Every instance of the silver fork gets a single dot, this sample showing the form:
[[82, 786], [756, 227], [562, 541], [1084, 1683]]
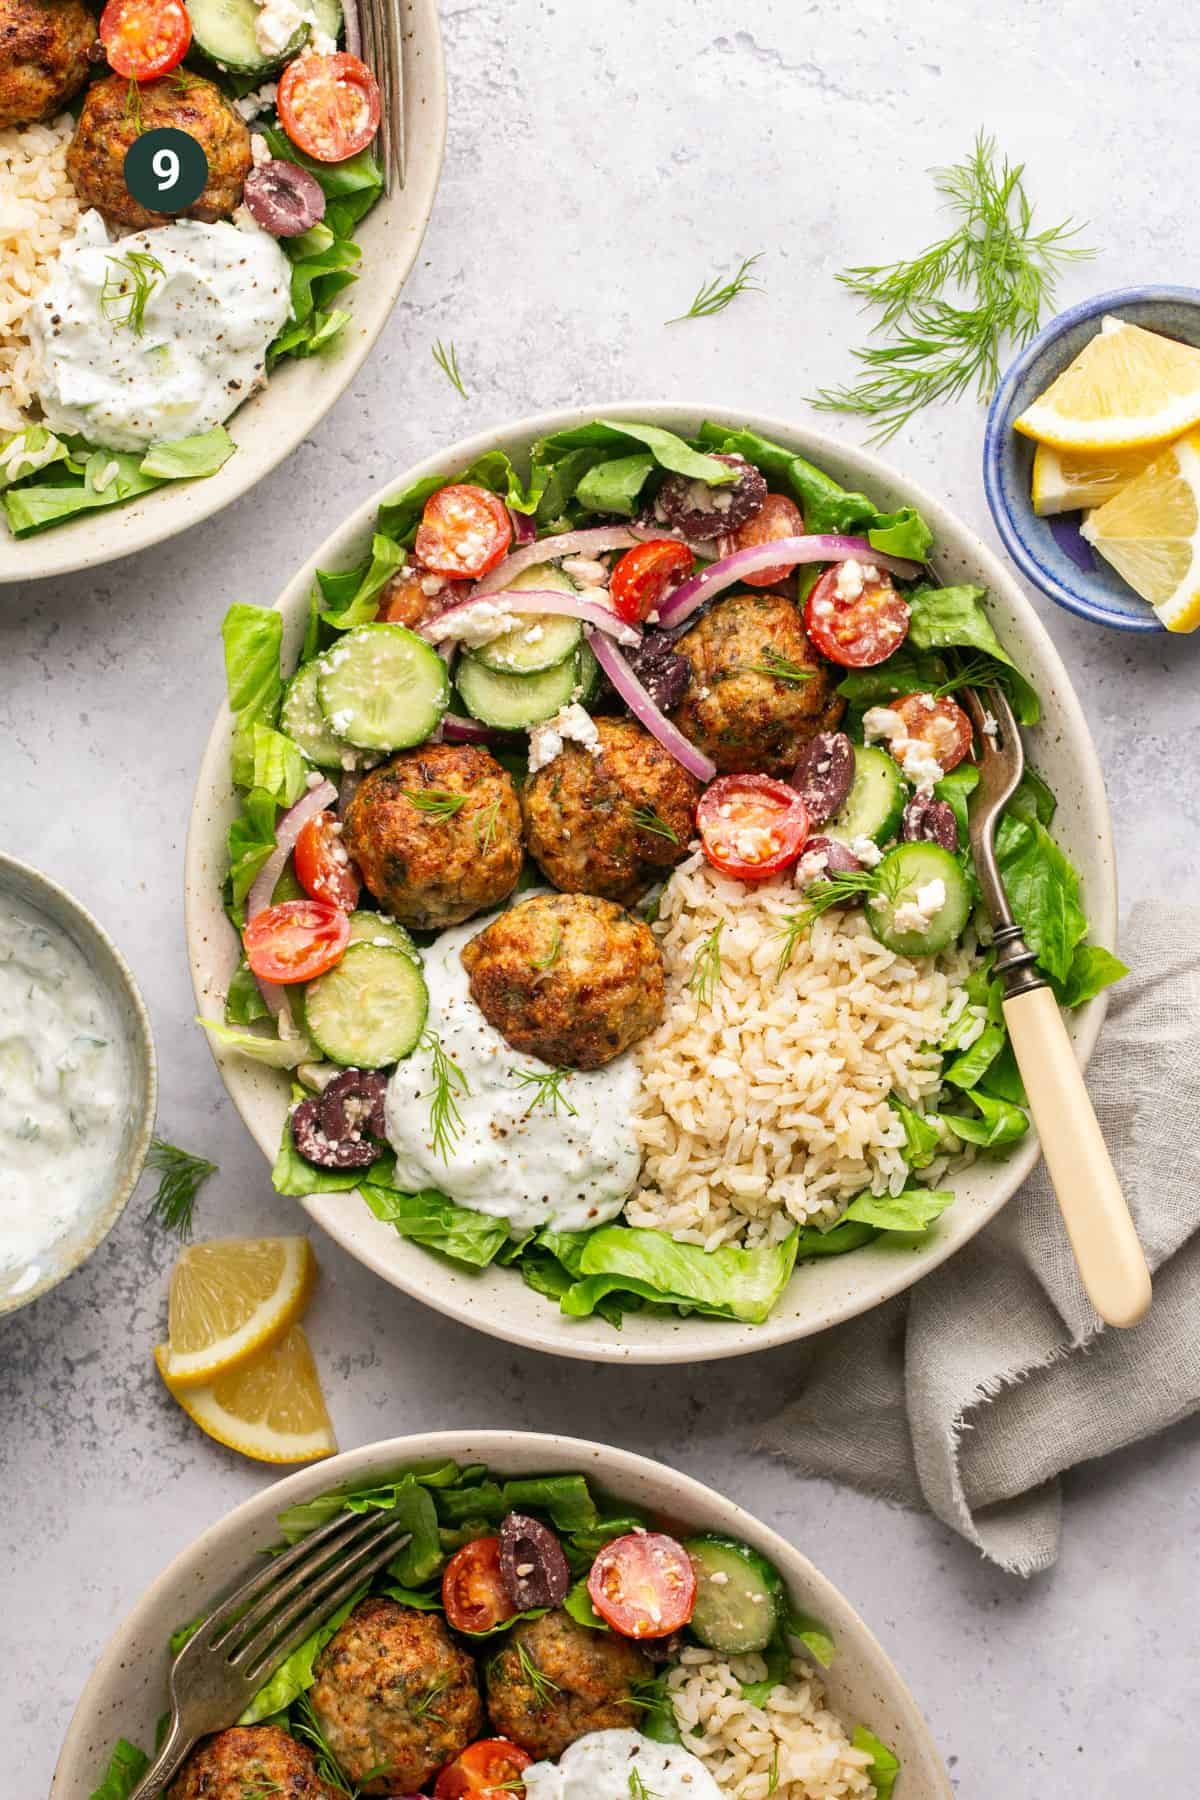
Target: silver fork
[[243, 1640], [1105, 1244], [383, 51]]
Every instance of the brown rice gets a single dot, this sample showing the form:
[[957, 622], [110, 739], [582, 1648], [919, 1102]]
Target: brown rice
[[38, 212]]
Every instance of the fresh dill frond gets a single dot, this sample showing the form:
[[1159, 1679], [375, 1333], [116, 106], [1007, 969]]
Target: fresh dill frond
[[549, 1094], [125, 293], [184, 79], [422, 1706], [132, 111], [547, 962], [181, 1176], [820, 897], [544, 1689], [705, 977], [446, 358], [773, 1774], [781, 667], [648, 818], [484, 829], [637, 1787], [715, 295], [304, 1724], [445, 1120], [974, 672], [438, 803], [260, 1787], [947, 313]]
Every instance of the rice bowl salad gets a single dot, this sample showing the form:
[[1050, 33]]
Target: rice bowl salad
[[601, 879]]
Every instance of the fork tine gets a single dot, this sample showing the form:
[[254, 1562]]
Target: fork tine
[[395, 41], [310, 1609], [344, 1528], [375, 51], [282, 1602]]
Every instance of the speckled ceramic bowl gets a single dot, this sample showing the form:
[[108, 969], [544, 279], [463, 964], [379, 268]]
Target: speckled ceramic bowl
[[1050, 552], [26, 884], [826, 1290], [127, 1692]]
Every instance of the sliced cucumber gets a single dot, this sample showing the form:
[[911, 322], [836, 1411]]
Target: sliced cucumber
[[555, 638], [875, 804], [223, 31], [304, 722], [374, 928], [589, 676], [906, 875], [382, 687], [515, 702], [370, 1009], [739, 1595]]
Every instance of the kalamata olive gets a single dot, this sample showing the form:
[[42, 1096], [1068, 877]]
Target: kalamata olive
[[930, 821], [353, 1102], [283, 198], [532, 1563], [699, 512], [316, 1146], [838, 859], [661, 670], [824, 775]]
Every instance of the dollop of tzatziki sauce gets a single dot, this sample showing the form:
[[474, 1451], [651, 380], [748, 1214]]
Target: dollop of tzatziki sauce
[[531, 1164], [620, 1765], [143, 352], [65, 1090]]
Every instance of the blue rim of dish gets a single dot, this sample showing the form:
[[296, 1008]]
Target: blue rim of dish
[[998, 427]]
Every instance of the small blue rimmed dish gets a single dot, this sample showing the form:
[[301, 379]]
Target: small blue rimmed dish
[[1050, 552]]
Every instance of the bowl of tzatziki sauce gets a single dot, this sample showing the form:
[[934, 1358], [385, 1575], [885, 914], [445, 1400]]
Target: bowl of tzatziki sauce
[[78, 1084]]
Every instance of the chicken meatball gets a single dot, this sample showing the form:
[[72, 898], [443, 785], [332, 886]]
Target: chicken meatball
[[569, 978], [587, 1680], [611, 823], [44, 48], [395, 1697], [250, 1759], [759, 690], [436, 834], [107, 127]]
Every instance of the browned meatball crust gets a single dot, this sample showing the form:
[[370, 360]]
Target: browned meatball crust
[[614, 823], [432, 866], [737, 710], [250, 1759], [591, 1676], [395, 1694], [569, 978], [44, 48], [107, 127]]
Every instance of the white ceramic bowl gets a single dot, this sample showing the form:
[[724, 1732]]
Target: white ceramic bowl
[[127, 1691], [824, 1292], [300, 392]]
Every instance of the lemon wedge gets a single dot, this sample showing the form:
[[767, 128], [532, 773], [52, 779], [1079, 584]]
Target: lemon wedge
[[230, 1298], [270, 1408], [1150, 533], [1074, 480], [1126, 387]]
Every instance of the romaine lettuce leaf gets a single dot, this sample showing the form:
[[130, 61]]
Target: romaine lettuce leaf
[[126, 1766], [189, 458], [1000, 1122], [292, 1174], [613, 487], [1092, 970], [969, 1068], [244, 1004], [265, 759], [954, 618], [812, 1634], [28, 452], [1043, 891], [729, 1283], [885, 1764], [295, 1673], [253, 638], [921, 1139], [251, 840], [431, 1219], [914, 1209], [400, 516], [359, 604], [276, 1052]]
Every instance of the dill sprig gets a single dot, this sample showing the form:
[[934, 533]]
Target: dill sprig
[[974, 672], [773, 1774], [638, 1789], [484, 829], [547, 962], [438, 803], [548, 1085], [181, 1176], [781, 668], [446, 358], [999, 274], [543, 1688], [124, 296], [715, 295], [304, 1724], [648, 818], [445, 1120], [422, 1706], [132, 110], [820, 897], [705, 977]]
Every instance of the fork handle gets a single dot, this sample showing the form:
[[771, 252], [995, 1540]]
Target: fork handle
[[1109, 1257], [168, 1762]]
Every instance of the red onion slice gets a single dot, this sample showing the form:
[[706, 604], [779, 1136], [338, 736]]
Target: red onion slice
[[569, 543], [644, 710], [533, 600], [315, 800], [721, 574], [457, 730], [524, 528]]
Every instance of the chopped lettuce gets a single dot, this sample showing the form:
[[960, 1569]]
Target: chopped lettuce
[[431, 1219], [253, 639], [357, 591], [251, 841], [28, 452], [189, 458], [884, 1766], [323, 259], [613, 487], [1000, 1122], [1092, 970], [295, 1673], [1043, 891], [729, 1283], [126, 1766], [266, 759], [276, 1052], [913, 1209], [973, 1063], [292, 1174], [954, 618], [244, 1004], [400, 516], [82, 478], [812, 1634], [922, 1140]]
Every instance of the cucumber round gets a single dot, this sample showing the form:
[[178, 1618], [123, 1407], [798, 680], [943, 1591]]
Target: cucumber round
[[902, 874], [382, 687], [739, 1595], [875, 804], [302, 719], [557, 637], [370, 1009], [589, 676], [373, 928], [516, 702], [223, 31]]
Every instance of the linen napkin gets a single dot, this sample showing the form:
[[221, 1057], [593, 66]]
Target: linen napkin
[[971, 1393]]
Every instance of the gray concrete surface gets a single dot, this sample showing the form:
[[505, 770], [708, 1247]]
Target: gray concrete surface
[[602, 161]]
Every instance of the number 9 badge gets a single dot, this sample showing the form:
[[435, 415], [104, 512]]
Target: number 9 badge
[[165, 170]]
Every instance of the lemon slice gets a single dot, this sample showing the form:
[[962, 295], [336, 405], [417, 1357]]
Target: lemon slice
[[1150, 533], [1126, 387], [271, 1408], [1073, 480], [231, 1297]]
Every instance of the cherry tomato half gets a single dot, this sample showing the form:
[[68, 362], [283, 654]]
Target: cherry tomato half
[[329, 105], [323, 866], [464, 531], [489, 1768], [751, 826], [779, 517], [644, 574], [296, 940], [854, 622], [473, 1590], [643, 1585], [145, 38], [940, 724]]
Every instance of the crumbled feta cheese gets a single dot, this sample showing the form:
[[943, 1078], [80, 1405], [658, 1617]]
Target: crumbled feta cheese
[[478, 623], [585, 571], [320, 42], [260, 101], [882, 725], [991, 726], [107, 476], [314, 778], [260, 150], [866, 850], [811, 867], [277, 23], [544, 745], [546, 741], [432, 584], [927, 903]]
